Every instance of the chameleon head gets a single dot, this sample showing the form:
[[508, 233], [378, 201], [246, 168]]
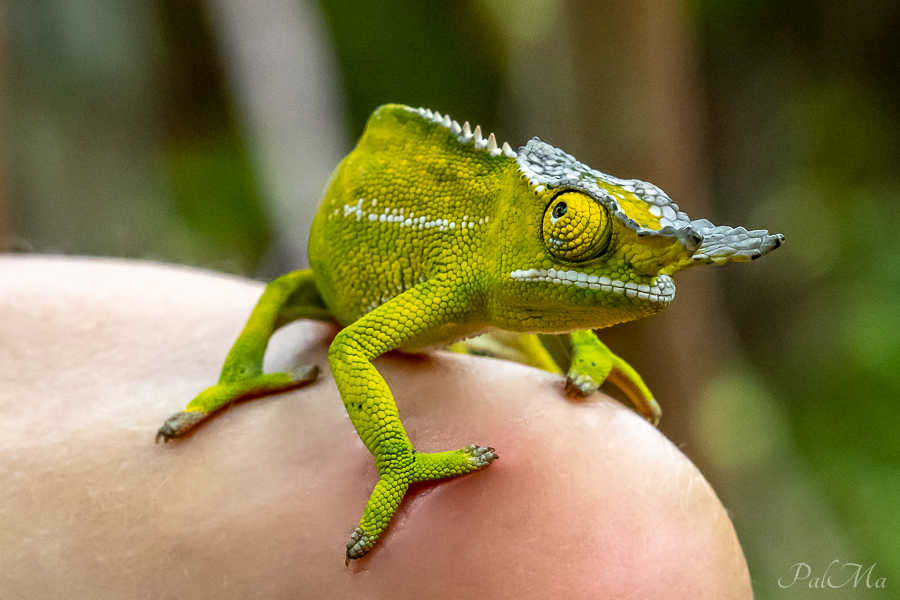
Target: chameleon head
[[601, 250]]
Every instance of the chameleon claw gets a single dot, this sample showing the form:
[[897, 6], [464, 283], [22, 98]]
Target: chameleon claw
[[581, 386], [653, 412], [481, 456], [359, 545], [179, 424], [305, 374]]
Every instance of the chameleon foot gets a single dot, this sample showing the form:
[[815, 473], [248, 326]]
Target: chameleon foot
[[481, 456], [358, 546], [593, 364], [402, 468], [224, 394]]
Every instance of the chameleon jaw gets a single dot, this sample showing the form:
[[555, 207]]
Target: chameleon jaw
[[661, 290]]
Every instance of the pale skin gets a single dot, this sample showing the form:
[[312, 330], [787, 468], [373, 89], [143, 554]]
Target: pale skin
[[588, 499]]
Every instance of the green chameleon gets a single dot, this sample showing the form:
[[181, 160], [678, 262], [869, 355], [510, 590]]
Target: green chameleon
[[430, 233]]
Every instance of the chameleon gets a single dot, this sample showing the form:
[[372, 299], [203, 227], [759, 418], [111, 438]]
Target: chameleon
[[430, 233]]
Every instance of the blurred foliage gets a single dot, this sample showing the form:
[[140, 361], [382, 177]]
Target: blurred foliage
[[120, 137], [805, 101], [213, 187], [421, 53]]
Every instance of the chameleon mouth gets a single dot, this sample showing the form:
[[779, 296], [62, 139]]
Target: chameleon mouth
[[661, 289]]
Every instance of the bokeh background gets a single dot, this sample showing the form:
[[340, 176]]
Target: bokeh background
[[203, 133]]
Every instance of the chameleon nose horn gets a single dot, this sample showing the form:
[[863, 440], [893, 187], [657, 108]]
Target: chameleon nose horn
[[731, 244]]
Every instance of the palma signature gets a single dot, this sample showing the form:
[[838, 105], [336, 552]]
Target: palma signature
[[802, 572]]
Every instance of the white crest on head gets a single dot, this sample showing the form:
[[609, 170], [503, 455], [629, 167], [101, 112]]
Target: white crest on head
[[548, 167], [465, 134]]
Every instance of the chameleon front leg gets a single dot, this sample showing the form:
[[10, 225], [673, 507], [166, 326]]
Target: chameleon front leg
[[373, 411], [593, 363], [290, 297]]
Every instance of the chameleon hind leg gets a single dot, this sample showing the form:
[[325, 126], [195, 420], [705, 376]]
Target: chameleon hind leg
[[288, 298], [587, 361], [525, 348], [373, 411]]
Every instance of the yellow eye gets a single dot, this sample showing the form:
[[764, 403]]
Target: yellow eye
[[576, 227]]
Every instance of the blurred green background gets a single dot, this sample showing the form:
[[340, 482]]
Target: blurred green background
[[204, 133]]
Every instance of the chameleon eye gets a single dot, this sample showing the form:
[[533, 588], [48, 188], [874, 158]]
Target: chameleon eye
[[576, 227]]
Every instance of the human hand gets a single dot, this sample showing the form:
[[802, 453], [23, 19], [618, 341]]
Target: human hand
[[587, 500]]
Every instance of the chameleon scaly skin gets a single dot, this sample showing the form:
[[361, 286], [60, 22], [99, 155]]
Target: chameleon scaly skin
[[430, 233]]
